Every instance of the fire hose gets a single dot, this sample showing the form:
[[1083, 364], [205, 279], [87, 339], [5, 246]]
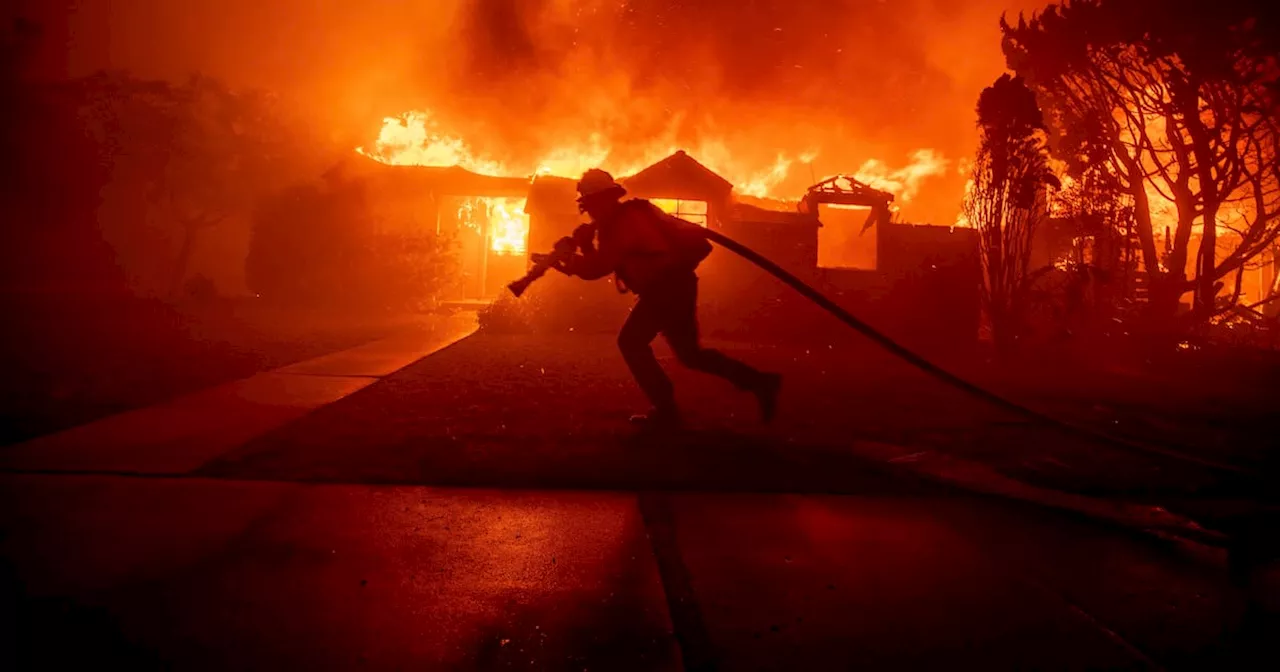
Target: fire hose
[[565, 249]]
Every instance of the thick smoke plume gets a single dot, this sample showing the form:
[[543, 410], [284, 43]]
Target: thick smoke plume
[[841, 83], [845, 81]]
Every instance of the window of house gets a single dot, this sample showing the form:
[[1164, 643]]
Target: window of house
[[841, 241], [692, 211]]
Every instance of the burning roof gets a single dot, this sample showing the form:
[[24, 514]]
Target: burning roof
[[441, 180]]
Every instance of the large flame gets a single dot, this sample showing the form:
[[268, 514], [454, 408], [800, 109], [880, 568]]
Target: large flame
[[903, 183], [415, 138]]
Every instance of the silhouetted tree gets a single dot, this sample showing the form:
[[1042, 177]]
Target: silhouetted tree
[[1096, 216], [1177, 101], [1007, 200], [1270, 304], [51, 175], [191, 154]]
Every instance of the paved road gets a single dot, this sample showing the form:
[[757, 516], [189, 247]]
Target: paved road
[[483, 508]]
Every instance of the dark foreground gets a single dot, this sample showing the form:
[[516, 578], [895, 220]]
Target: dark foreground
[[484, 508]]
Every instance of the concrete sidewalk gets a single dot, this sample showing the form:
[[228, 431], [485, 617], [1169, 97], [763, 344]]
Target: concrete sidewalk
[[180, 435]]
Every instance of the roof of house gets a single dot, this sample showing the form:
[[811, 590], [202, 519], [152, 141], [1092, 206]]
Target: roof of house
[[552, 195], [678, 176], [450, 181]]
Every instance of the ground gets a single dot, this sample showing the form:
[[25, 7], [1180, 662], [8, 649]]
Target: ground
[[487, 507], [537, 402]]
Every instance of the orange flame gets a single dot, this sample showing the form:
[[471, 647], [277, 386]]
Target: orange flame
[[508, 226], [502, 220], [903, 183], [415, 138]]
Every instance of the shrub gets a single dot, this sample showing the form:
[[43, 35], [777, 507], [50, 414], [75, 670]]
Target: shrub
[[509, 315]]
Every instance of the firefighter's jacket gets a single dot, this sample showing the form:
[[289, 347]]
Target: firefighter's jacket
[[633, 245]]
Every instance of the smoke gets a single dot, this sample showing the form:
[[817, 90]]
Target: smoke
[[847, 82], [768, 81]]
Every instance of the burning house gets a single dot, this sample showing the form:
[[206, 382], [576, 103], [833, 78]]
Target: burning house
[[483, 214], [918, 282], [683, 187], [678, 184]]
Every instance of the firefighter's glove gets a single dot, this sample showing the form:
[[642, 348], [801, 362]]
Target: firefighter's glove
[[584, 236], [566, 245]]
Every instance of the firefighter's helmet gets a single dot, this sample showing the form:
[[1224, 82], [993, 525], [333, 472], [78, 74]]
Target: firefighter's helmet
[[596, 183]]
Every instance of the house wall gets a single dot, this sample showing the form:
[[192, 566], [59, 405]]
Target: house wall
[[925, 292], [933, 275], [739, 300]]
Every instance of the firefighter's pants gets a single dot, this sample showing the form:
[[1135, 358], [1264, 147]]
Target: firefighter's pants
[[670, 308]]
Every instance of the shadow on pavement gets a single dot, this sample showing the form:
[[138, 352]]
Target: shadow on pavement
[[568, 634]]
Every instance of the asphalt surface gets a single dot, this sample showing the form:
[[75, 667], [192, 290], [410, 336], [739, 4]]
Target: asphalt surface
[[487, 508]]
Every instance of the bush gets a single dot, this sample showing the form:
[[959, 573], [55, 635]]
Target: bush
[[510, 315], [404, 271]]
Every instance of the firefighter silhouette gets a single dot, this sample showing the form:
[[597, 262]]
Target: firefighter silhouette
[[655, 255]]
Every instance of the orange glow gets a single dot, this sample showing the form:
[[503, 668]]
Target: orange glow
[[840, 83], [414, 139], [903, 183], [692, 211], [1232, 216]]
